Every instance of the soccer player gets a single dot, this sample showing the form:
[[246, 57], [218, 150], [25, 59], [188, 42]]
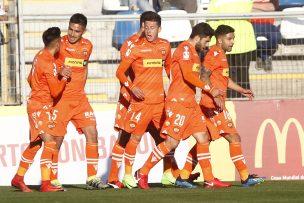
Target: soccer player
[[147, 59], [121, 110], [219, 122], [75, 51], [183, 115], [45, 87]]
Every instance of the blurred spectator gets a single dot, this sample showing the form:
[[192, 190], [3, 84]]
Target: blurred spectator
[[267, 34], [188, 5], [244, 45]]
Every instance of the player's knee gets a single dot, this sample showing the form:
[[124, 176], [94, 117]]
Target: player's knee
[[171, 143], [124, 139], [91, 133], [233, 138]]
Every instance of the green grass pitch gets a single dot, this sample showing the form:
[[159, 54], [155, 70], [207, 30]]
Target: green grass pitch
[[269, 191]]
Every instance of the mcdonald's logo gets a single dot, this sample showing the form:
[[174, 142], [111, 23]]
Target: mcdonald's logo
[[281, 139]]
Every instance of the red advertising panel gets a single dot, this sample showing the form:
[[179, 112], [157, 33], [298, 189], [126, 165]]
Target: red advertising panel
[[272, 137]]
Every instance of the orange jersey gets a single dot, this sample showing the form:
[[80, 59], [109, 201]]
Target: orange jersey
[[76, 56], [147, 60], [43, 78], [125, 49], [216, 61], [185, 61]]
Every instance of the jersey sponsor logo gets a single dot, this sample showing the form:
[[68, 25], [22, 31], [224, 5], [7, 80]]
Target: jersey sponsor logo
[[225, 72], [152, 63], [280, 138], [74, 62], [196, 67]]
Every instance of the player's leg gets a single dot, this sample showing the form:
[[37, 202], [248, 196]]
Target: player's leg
[[121, 142], [191, 162], [93, 182], [136, 122], [84, 120], [117, 156], [203, 157], [157, 154], [27, 159], [54, 169], [49, 148], [238, 159], [169, 161]]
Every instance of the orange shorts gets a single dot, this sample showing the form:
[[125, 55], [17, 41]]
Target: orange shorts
[[121, 111], [218, 123], [79, 112], [139, 116], [181, 122], [42, 119]]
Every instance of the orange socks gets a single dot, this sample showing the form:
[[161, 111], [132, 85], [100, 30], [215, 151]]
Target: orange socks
[[157, 154], [190, 164], [130, 152], [92, 158], [46, 160], [168, 161], [203, 157], [27, 158], [54, 169], [238, 159], [117, 155]]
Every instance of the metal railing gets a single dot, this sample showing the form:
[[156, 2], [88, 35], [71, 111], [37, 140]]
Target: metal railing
[[284, 80]]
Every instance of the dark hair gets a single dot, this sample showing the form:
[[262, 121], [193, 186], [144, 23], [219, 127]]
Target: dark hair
[[50, 35], [202, 30], [223, 30], [79, 18], [150, 16]]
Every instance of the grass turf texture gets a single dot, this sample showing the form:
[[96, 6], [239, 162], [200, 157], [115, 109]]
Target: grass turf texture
[[270, 191]]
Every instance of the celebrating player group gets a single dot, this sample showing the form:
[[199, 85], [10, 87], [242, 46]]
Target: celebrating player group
[[57, 80]]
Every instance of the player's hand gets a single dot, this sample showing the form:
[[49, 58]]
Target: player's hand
[[215, 92], [66, 72], [247, 93], [138, 93], [219, 103]]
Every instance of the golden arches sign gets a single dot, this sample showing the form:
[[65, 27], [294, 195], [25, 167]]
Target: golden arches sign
[[281, 139]]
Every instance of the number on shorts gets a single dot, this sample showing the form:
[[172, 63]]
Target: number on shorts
[[180, 119], [137, 117], [52, 116]]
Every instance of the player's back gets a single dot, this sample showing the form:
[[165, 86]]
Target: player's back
[[43, 67], [179, 89], [76, 56], [148, 59]]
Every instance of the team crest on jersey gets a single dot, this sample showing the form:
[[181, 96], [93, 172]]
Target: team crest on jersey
[[186, 54], [163, 52], [85, 51]]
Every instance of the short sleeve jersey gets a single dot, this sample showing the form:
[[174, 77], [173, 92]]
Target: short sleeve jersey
[[148, 60], [179, 89], [216, 61], [43, 70], [76, 56], [125, 49]]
